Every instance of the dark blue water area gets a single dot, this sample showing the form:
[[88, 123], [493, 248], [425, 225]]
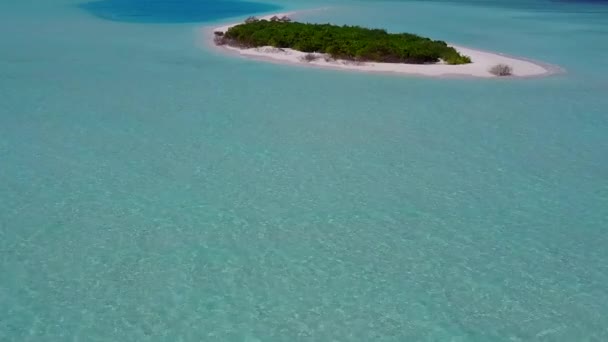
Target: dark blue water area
[[173, 11]]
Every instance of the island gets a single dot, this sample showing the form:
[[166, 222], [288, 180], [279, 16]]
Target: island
[[278, 38], [353, 43]]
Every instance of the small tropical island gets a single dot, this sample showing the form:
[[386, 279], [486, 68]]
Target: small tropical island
[[340, 42], [280, 39]]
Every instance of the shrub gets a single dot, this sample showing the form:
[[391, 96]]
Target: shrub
[[501, 70], [220, 40], [309, 57], [458, 59]]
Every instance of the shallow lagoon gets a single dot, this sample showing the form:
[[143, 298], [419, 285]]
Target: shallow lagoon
[[151, 189]]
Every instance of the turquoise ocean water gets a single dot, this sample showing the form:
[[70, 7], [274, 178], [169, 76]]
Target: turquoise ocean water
[[153, 189]]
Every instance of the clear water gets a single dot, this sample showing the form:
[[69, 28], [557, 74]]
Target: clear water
[[152, 189], [176, 11]]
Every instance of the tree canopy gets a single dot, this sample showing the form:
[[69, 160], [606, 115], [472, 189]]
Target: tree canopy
[[342, 42]]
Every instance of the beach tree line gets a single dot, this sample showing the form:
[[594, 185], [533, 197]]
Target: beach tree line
[[341, 42]]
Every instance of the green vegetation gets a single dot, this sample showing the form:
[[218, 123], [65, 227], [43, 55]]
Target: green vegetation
[[341, 42]]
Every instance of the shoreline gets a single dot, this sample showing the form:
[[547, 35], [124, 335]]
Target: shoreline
[[482, 60]]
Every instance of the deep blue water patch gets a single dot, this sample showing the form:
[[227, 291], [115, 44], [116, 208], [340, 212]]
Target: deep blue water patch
[[173, 11]]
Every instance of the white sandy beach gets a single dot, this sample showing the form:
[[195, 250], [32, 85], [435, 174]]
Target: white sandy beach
[[482, 61]]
